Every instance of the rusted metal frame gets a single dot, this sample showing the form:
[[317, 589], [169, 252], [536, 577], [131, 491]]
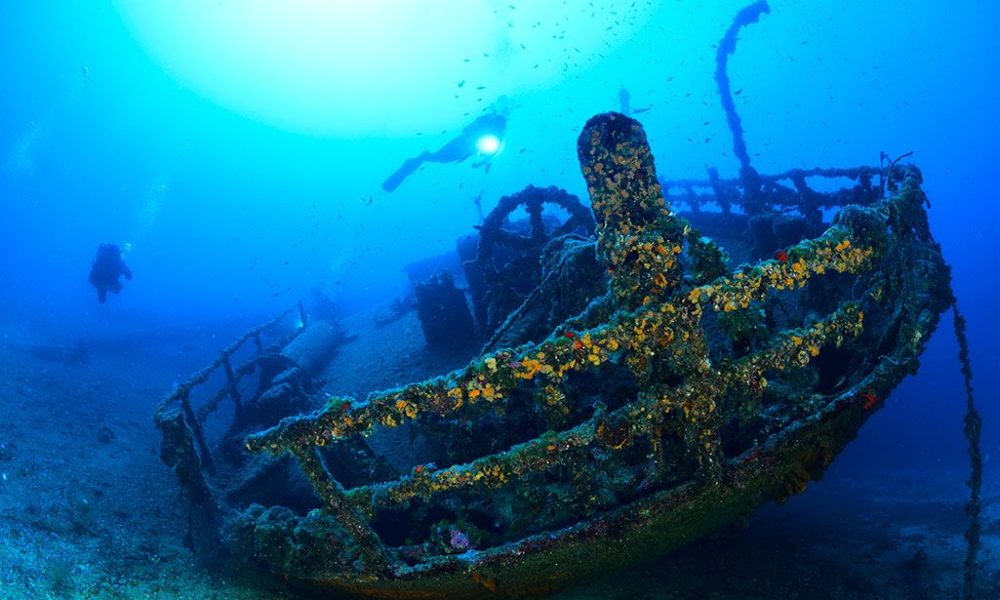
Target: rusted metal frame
[[717, 185], [537, 455], [182, 394], [213, 403], [202, 376], [234, 393], [335, 500], [180, 452], [551, 450], [885, 176], [315, 429], [197, 431], [853, 173]]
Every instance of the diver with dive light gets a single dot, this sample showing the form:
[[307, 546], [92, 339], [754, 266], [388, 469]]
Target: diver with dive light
[[481, 138]]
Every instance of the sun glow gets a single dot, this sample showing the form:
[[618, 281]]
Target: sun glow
[[350, 68]]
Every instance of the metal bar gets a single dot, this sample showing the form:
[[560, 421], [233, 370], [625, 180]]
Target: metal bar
[[199, 434], [202, 376], [829, 173], [213, 402], [234, 393], [336, 502]]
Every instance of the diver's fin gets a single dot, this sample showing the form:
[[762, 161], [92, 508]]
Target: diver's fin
[[405, 170]]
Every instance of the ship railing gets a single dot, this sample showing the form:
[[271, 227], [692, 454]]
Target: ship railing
[[181, 396]]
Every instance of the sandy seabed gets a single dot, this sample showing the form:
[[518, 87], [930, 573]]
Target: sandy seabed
[[87, 510]]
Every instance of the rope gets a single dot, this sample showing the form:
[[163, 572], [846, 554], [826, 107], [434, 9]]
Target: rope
[[749, 15], [973, 431]]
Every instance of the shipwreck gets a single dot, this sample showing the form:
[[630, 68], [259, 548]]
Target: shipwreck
[[656, 366]]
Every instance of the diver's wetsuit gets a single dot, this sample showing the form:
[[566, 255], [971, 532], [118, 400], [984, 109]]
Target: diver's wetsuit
[[624, 101], [455, 151], [107, 268]]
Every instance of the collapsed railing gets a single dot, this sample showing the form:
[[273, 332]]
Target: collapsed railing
[[185, 448], [775, 195]]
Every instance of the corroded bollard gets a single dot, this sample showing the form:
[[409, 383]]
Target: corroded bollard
[[637, 239]]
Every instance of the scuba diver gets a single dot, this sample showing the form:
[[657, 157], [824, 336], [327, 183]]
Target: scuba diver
[[624, 101], [107, 268], [483, 138], [625, 104]]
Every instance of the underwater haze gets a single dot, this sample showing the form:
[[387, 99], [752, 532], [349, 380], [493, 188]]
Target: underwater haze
[[246, 157]]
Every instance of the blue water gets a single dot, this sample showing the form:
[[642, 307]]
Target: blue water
[[228, 208]]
